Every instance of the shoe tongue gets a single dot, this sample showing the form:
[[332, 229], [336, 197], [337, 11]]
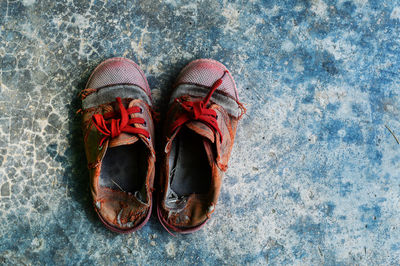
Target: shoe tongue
[[201, 129], [197, 127], [123, 138], [208, 134]]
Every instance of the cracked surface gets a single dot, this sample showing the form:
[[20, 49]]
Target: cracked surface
[[314, 175]]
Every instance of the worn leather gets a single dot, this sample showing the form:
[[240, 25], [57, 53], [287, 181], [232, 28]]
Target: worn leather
[[119, 209], [194, 210]]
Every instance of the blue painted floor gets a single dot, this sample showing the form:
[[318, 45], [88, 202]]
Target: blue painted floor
[[314, 177]]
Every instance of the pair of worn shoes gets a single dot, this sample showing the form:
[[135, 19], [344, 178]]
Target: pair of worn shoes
[[119, 141]]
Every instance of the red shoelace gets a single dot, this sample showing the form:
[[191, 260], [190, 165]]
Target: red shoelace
[[198, 111], [114, 127]]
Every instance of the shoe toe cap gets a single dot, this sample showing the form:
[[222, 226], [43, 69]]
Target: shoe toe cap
[[205, 72], [121, 215], [118, 71]]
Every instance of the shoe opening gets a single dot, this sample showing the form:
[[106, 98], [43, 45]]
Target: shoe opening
[[124, 168], [190, 171]]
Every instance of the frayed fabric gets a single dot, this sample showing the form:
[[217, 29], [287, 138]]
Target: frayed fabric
[[108, 94]]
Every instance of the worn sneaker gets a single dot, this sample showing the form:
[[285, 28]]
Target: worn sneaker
[[118, 137], [199, 133]]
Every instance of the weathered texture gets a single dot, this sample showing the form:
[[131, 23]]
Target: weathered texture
[[314, 174]]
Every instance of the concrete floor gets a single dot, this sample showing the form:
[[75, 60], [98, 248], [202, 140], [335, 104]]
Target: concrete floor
[[314, 176]]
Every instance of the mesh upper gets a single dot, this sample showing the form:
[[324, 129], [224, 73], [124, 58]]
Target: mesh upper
[[205, 72], [118, 71]]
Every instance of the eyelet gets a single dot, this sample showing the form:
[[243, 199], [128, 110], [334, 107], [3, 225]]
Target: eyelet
[[141, 111], [145, 124]]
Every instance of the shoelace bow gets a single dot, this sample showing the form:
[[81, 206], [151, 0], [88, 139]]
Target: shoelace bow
[[198, 111], [114, 127]]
